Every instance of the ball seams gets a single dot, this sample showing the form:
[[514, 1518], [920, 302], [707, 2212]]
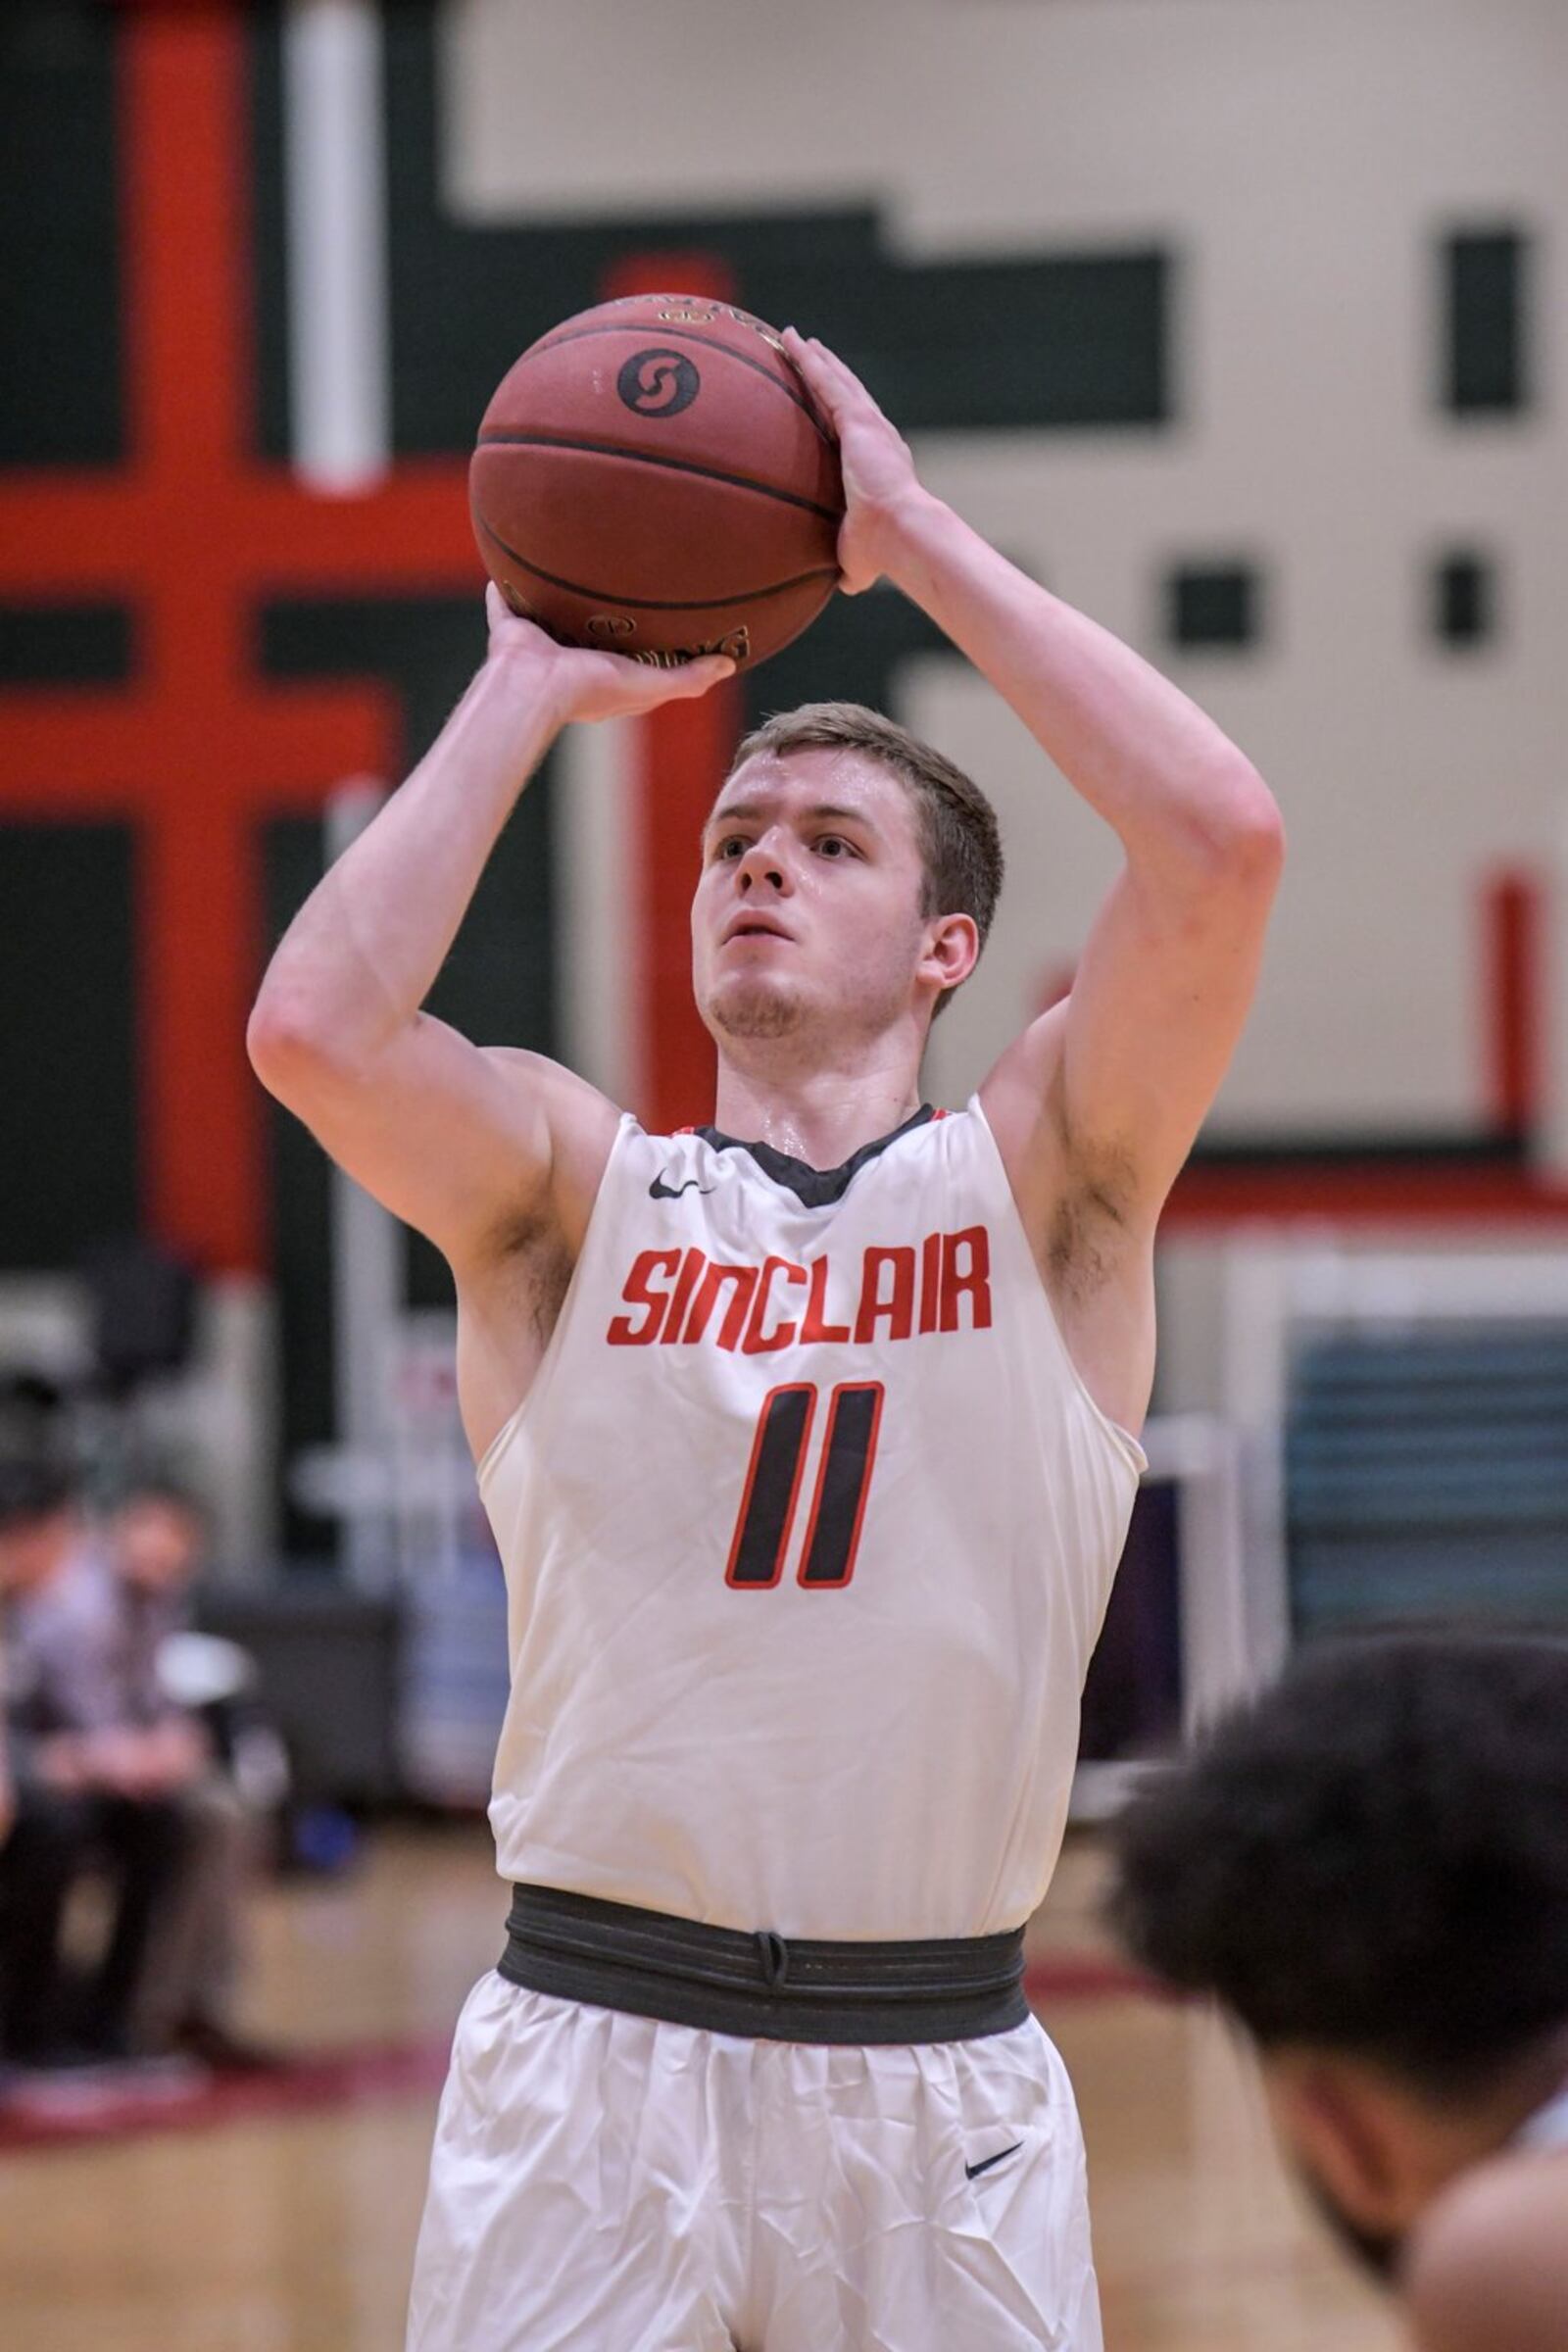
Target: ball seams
[[651, 603], [643, 457]]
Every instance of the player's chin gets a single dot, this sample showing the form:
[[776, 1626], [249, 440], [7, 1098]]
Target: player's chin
[[747, 1004]]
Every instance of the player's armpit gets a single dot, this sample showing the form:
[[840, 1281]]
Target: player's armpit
[[1487, 2270], [466, 1142], [1103, 1096]]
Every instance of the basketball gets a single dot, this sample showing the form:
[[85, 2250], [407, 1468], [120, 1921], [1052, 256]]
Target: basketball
[[651, 478]]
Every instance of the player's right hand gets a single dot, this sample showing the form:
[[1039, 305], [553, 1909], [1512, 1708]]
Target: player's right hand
[[582, 684]]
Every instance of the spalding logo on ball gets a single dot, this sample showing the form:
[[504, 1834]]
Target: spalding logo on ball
[[659, 383], [651, 475]]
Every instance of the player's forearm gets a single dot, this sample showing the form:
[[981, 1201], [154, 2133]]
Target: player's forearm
[[1142, 753], [362, 953]]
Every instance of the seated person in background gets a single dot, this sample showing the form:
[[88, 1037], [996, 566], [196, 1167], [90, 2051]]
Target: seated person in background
[[92, 1783], [8, 1782], [8, 1777], [1369, 1868], [155, 1541]]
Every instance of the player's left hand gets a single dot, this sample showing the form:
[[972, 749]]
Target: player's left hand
[[879, 476]]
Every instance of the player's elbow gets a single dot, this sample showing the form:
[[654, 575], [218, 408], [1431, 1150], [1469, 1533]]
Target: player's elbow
[[289, 1047], [1242, 834]]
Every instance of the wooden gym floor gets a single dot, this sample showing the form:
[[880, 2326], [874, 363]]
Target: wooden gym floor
[[294, 2232]]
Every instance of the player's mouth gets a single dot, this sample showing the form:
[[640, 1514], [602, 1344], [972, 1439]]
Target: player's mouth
[[754, 926]]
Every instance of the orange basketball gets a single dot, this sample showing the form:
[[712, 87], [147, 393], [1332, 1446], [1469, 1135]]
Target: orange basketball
[[652, 477]]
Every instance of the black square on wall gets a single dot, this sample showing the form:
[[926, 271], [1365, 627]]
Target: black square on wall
[[1214, 604], [1464, 599], [1485, 323]]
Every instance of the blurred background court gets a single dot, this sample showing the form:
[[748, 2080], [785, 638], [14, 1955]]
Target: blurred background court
[[1239, 322]]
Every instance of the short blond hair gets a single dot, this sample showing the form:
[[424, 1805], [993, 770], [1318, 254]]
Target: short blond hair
[[960, 842]]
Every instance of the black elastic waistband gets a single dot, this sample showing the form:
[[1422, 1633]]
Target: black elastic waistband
[[617, 1956]]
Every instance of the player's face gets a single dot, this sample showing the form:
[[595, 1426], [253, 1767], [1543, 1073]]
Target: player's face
[[807, 918]]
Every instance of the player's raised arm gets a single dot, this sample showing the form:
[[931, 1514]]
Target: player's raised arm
[[459, 1140], [1105, 1095]]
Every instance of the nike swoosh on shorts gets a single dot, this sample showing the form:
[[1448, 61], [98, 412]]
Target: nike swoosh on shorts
[[972, 2172]]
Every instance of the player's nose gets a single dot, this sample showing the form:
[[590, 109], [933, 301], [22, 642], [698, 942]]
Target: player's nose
[[764, 866]]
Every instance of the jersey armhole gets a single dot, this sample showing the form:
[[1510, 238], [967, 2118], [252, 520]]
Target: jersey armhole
[[500, 1441]]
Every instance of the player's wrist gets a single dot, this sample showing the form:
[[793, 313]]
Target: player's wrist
[[531, 681], [901, 532]]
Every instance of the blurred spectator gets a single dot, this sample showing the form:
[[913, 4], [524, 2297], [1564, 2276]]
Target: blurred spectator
[[96, 1780], [8, 1787], [155, 1545]]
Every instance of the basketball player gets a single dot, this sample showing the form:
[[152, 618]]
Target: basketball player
[[808, 1441], [1369, 1866]]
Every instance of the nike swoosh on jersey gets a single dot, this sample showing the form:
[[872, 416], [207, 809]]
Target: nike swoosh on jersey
[[972, 2172], [659, 1189]]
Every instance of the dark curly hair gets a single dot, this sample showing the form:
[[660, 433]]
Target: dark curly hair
[[1372, 1858]]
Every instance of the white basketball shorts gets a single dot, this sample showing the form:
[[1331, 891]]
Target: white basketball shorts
[[604, 2182]]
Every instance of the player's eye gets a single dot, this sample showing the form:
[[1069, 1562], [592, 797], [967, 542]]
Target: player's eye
[[731, 846], [834, 844]]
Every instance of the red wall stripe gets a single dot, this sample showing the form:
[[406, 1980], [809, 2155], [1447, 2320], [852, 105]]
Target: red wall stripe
[[1512, 914], [1367, 1192]]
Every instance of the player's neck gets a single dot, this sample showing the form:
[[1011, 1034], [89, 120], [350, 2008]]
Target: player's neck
[[819, 1116]]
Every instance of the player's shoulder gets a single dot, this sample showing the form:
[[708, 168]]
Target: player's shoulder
[[582, 1123], [528, 1068], [566, 1097], [1079, 1200], [1021, 1098], [1489, 2265]]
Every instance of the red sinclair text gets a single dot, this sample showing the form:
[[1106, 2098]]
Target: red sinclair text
[[678, 1296]]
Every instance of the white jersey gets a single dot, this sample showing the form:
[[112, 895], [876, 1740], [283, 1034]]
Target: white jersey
[[808, 1525]]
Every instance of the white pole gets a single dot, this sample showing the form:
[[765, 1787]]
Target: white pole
[[340, 431], [335, 209], [598, 913], [367, 1289]]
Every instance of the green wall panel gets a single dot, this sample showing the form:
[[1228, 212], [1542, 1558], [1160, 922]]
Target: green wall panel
[[59, 385], [67, 1117]]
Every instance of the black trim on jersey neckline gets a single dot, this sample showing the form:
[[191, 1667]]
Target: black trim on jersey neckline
[[813, 1187]]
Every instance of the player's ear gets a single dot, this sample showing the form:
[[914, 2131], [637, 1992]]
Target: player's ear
[[1329, 2115], [952, 949]]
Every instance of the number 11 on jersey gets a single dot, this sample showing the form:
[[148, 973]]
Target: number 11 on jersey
[[773, 1484]]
